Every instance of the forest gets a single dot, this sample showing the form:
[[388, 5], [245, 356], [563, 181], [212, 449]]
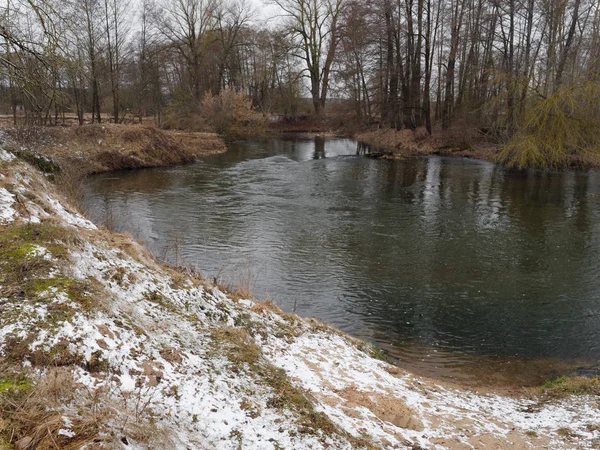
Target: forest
[[522, 73]]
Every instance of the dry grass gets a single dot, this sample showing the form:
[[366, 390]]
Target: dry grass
[[399, 144], [105, 147], [69, 182], [129, 147], [201, 144], [270, 306], [237, 345], [33, 411]]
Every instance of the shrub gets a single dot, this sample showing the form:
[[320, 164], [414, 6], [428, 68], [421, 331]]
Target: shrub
[[559, 131], [226, 110]]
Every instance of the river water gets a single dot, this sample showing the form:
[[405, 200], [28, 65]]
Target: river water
[[457, 268]]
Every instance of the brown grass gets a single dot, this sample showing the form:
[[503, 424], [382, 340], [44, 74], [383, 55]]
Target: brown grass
[[30, 412], [106, 147], [400, 144], [135, 147], [237, 345], [268, 305]]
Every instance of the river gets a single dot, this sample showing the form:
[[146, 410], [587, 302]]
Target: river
[[459, 269]]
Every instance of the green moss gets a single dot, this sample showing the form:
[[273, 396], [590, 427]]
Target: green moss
[[15, 385], [22, 252], [37, 232], [41, 285], [43, 163], [17, 245], [16, 260], [84, 293], [566, 386]]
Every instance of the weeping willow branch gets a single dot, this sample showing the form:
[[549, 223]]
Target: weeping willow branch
[[558, 131]]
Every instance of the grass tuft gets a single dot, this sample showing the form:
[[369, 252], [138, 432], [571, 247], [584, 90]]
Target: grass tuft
[[12, 384], [566, 386]]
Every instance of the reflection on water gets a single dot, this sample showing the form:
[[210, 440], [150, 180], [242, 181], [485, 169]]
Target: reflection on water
[[441, 261]]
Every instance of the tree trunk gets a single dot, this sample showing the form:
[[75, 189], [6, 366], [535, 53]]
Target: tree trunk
[[567, 47]]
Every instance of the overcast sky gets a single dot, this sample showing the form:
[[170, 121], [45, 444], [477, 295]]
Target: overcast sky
[[264, 12]]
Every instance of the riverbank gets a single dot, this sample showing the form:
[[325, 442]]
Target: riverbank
[[100, 148], [103, 346], [388, 143], [400, 144]]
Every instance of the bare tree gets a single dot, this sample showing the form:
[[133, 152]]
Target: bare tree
[[185, 24], [314, 23], [115, 12]]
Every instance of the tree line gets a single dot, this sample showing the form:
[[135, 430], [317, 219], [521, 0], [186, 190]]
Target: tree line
[[398, 63], [108, 60]]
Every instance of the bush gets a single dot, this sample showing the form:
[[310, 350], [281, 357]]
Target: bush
[[176, 117], [227, 111], [559, 131]]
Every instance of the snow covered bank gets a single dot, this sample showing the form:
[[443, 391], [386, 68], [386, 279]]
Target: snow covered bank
[[156, 358]]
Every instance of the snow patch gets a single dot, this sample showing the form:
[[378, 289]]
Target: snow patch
[[71, 219], [6, 156], [38, 251], [127, 383], [66, 432], [7, 212]]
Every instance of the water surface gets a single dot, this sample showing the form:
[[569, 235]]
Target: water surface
[[451, 265]]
